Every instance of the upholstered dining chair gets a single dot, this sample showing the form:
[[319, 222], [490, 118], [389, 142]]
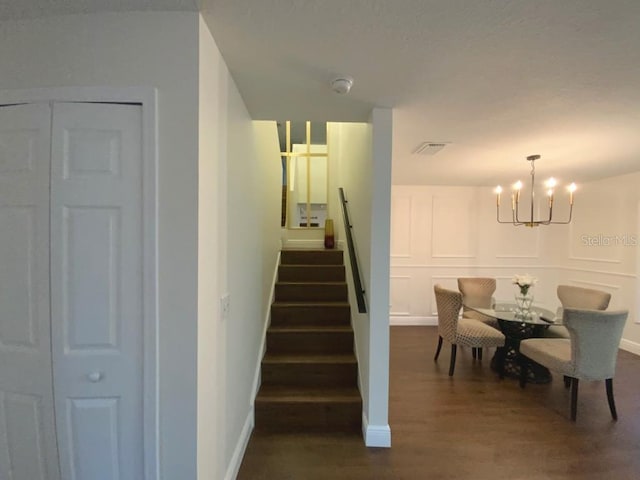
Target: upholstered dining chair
[[467, 332], [478, 292], [577, 297], [589, 354]]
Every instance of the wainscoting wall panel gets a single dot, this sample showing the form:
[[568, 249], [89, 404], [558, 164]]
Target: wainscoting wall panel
[[453, 233], [401, 226], [453, 227]]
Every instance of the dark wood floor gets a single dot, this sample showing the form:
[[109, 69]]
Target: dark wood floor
[[473, 426]]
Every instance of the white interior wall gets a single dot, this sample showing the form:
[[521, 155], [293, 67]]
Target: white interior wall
[[363, 165], [240, 183], [440, 233], [210, 154], [253, 234], [350, 149], [140, 49], [378, 431]]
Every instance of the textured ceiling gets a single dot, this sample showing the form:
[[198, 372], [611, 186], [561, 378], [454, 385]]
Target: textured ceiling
[[496, 79]]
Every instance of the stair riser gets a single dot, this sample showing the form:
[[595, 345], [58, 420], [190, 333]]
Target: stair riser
[[316, 273], [288, 315], [311, 257], [292, 292], [309, 342], [283, 417], [310, 374]]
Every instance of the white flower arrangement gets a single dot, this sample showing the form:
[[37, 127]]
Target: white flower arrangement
[[524, 282]]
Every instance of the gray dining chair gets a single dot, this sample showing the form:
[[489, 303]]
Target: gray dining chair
[[589, 354], [577, 297], [478, 292], [466, 332]]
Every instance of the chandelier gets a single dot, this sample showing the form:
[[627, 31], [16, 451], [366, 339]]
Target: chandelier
[[515, 201]]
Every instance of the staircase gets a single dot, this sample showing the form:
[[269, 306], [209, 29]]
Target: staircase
[[309, 371]]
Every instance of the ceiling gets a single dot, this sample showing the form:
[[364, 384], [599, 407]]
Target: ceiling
[[496, 80]]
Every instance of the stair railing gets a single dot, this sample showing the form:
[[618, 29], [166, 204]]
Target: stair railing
[[357, 281]]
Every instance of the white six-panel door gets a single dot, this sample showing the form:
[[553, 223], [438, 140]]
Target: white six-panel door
[[27, 435], [92, 253]]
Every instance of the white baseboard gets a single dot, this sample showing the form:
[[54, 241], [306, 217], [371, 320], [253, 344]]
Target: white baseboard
[[241, 446], [629, 346], [375, 435], [401, 320]]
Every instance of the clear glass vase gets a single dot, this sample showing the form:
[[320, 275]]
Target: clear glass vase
[[523, 302]]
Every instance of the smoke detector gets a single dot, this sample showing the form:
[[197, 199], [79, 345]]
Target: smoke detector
[[342, 85], [429, 148]]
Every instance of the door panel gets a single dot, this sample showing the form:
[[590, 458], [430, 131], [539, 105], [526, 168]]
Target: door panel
[[86, 417], [27, 433], [96, 288], [90, 282]]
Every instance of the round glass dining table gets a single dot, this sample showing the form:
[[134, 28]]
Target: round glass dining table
[[516, 326]]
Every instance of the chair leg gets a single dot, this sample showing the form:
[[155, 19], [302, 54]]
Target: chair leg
[[612, 403], [435, 359], [567, 381], [474, 352], [574, 398], [479, 353], [452, 365]]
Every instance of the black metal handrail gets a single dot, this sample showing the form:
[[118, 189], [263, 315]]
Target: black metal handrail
[[359, 291]]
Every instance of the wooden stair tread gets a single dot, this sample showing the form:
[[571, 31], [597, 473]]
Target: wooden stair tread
[[310, 303], [308, 394], [309, 371], [319, 328], [314, 358], [307, 303]]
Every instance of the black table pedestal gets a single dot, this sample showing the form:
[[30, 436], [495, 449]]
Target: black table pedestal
[[506, 361]]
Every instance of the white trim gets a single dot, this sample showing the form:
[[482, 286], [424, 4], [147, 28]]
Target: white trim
[[375, 435], [257, 379], [595, 284], [471, 266], [147, 98], [415, 321], [296, 243], [590, 259], [629, 346], [509, 267], [241, 446]]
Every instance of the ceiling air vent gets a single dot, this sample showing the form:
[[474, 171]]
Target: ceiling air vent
[[429, 148]]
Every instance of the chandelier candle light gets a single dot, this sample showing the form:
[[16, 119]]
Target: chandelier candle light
[[515, 201]]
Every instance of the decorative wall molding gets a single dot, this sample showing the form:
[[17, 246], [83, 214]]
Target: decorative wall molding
[[402, 212], [512, 267], [599, 272], [595, 284], [465, 224], [394, 281], [471, 266], [412, 321], [589, 259]]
